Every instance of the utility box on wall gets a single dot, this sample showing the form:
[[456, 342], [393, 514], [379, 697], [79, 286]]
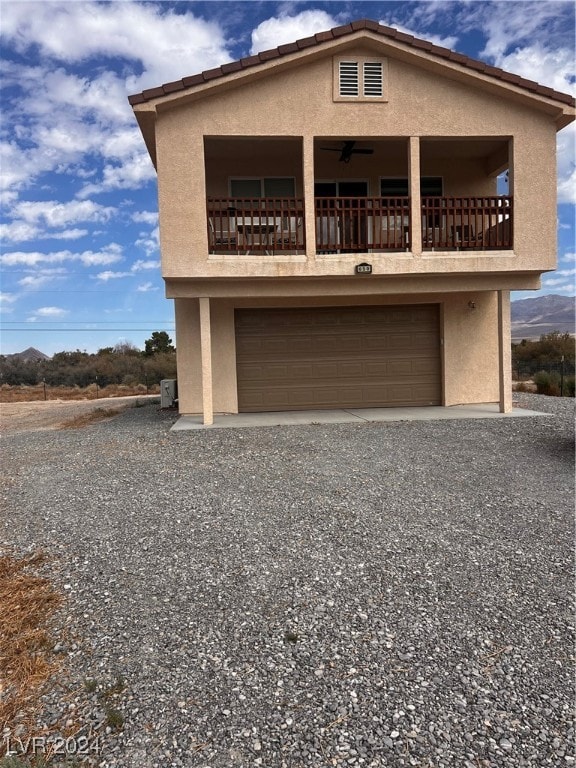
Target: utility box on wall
[[168, 393]]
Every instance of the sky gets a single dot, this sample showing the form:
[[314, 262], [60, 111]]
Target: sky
[[80, 261]]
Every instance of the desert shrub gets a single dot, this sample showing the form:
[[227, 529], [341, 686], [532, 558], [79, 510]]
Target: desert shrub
[[130, 380], [569, 386], [547, 383]]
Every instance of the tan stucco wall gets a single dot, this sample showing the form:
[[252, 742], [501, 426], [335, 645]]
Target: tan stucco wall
[[189, 356], [470, 344], [420, 104], [471, 349]]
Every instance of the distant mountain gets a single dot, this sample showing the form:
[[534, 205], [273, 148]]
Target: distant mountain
[[533, 317], [29, 355]]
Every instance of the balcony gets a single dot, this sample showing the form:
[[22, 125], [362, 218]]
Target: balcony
[[361, 224], [273, 226], [467, 223], [255, 225]]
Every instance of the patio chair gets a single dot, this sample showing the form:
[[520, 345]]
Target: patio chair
[[223, 234], [463, 235], [286, 234]]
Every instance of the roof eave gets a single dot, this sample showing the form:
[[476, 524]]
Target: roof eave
[[146, 104], [362, 28], [146, 116]]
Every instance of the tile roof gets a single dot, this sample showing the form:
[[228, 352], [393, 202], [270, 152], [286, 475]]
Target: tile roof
[[339, 32]]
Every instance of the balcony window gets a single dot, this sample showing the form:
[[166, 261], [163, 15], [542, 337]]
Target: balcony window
[[430, 186], [273, 186]]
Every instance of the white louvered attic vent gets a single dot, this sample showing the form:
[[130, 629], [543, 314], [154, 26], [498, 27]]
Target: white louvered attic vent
[[373, 79], [349, 85]]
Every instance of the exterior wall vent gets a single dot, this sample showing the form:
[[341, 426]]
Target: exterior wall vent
[[373, 79], [349, 78], [359, 79]]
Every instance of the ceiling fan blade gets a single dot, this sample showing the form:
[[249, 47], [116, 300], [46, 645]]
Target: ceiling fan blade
[[347, 150]]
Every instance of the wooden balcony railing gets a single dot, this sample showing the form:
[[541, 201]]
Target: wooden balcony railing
[[357, 224], [255, 225], [360, 224], [476, 223]]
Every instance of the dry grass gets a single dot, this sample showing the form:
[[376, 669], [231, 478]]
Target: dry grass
[[26, 394], [85, 419], [523, 386], [27, 661]]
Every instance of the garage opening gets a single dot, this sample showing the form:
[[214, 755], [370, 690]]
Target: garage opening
[[338, 357]]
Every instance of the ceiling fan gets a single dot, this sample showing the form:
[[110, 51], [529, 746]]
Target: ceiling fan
[[348, 150]]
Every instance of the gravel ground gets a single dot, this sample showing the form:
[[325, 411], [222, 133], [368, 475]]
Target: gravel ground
[[392, 594], [39, 415]]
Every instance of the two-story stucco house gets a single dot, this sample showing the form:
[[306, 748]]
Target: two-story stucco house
[[332, 229]]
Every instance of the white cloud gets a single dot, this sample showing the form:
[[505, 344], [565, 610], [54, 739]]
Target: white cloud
[[158, 41], [553, 67], [29, 219], [66, 234], [22, 164], [285, 29], [7, 298], [145, 217], [146, 288], [560, 283], [141, 264], [569, 257], [56, 214], [40, 277], [134, 172], [122, 143], [108, 255], [532, 39], [565, 272], [74, 120], [51, 312], [20, 232], [510, 26], [137, 266], [151, 243], [110, 275]]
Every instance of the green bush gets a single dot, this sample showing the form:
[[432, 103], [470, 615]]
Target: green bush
[[547, 383], [569, 386]]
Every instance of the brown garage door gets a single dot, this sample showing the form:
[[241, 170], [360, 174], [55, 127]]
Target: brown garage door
[[337, 357]]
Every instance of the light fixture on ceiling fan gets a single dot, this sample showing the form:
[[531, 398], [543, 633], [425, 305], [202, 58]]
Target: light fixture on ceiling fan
[[348, 150]]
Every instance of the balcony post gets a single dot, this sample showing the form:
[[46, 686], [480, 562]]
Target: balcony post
[[504, 352], [414, 192], [206, 353], [308, 194]]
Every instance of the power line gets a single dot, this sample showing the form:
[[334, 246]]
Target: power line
[[80, 330], [84, 322]]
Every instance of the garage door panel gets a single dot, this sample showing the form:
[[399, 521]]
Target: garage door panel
[[426, 366], [292, 359], [398, 368], [352, 368]]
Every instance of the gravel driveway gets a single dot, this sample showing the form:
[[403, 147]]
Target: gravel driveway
[[392, 594]]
